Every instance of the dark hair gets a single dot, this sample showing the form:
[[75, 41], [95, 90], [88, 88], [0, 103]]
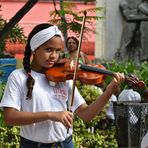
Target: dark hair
[[74, 38], [27, 54]]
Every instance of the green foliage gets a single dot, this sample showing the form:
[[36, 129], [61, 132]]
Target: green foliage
[[9, 137], [89, 92], [2, 87], [99, 139], [141, 70]]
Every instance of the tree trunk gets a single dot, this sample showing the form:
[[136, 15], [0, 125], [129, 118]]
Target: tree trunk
[[16, 18]]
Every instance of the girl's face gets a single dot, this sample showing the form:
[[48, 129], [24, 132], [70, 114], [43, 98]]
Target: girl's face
[[47, 54], [72, 45]]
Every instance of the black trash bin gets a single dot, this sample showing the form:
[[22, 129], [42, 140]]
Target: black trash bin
[[131, 120]]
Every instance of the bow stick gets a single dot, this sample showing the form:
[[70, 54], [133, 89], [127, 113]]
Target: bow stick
[[77, 62]]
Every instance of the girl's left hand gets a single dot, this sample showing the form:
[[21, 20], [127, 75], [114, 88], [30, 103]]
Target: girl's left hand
[[116, 82]]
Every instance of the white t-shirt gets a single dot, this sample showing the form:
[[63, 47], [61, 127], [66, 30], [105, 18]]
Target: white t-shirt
[[45, 97]]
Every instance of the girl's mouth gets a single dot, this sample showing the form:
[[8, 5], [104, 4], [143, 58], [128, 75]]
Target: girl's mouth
[[51, 63]]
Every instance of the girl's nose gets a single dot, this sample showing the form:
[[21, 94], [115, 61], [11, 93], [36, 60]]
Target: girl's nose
[[53, 54]]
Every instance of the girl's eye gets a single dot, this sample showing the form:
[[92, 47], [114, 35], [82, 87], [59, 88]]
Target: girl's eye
[[51, 50], [48, 49]]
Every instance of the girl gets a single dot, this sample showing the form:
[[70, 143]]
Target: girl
[[38, 106]]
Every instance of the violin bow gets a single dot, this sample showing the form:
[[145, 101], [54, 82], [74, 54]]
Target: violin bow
[[77, 62]]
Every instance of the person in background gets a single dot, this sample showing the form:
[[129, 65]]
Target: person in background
[[39, 107], [145, 96], [72, 48], [110, 110], [130, 94]]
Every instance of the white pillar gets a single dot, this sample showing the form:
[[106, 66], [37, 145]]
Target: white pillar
[[100, 31], [109, 30]]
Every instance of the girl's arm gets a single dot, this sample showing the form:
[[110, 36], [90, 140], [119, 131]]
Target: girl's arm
[[88, 112], [14, 117]]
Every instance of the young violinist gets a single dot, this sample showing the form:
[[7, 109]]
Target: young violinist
[[39, 106]]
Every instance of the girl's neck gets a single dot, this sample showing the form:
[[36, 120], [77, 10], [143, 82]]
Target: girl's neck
[[37, 68]]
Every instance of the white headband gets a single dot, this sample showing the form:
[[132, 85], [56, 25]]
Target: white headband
[[43, 36]]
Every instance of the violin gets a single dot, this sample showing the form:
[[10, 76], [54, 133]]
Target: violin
[[61, 73], [87, 73]]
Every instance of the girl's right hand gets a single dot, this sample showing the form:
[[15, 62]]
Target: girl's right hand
[[65, 117]]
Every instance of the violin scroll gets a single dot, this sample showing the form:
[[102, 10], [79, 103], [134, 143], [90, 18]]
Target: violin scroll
[[134, 82]]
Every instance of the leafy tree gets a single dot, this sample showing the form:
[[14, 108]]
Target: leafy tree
[[69, 20]]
